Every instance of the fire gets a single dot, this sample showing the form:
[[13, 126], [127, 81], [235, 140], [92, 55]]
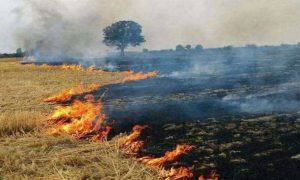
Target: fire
[[84, 118], [77, 119], [212, 176], [92, 87], [132, 146], [74, 67], [176, 173], [130, 143], [67, 94], [91, 68], [129, 75], [168, 157], [133, 76], [102, 134]]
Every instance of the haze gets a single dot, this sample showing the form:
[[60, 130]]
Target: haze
[[75, 26]]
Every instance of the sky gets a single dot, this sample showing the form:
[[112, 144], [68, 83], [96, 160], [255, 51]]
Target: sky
[[75, 26], [6, 23]]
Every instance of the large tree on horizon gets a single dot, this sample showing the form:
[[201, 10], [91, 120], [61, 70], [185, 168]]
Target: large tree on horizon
[[122, 34]]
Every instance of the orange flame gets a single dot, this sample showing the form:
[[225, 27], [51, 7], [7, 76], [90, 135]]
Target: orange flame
[[212, 176], [74, 67], [130, 143], [168, 157], [67, 94], [132, 146], [91, 68], [83, 118], [77, 119], [102, 134], [176, 173], [133, 76], [129, 75]]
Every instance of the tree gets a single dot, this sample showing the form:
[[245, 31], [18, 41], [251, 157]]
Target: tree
[[228, 48], [180, 48], [199, 48], [251, 46], [188, 47], [122, 34], [19, 52]]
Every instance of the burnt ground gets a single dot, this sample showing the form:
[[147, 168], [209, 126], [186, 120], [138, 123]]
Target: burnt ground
[[260, 143], [239, 109], [258, 148]]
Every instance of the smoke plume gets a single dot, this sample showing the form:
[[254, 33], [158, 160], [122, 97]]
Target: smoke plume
[[73, 27], [65, 28]]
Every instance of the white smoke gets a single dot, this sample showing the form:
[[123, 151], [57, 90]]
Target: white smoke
[[74, 27]]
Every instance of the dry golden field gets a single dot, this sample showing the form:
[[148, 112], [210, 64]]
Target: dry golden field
[[27, 152]]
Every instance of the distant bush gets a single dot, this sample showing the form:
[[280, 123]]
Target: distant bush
[[180, 48], [6, 55], [251, 46], [19, 52], [228, 48], [198, 48], [188, 47]]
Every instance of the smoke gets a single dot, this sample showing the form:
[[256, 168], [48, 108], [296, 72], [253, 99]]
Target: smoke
[[258, 21], [74, 28], [56, 29], [216, 23], [213, 83]]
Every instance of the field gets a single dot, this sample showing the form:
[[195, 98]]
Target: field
[[27, 152], [238, 108]]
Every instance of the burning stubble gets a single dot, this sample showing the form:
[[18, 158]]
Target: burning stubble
[[84, 119], [81, 118]]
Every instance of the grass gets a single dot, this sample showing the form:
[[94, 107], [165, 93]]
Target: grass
[[27, 152], [20, 122], [44, 157], [23, 87]]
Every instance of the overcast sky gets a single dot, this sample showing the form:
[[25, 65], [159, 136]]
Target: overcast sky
[[165, 23]]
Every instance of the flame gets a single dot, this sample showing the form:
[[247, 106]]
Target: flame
[[102, 134], [129, 75], [168, 157], [132, 146], [67, 94], [176, 173], [135, 76], [130, 143], [212, 176], [91, 68], [83, 118], [92, 87], [74, 67], [77, 119]]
